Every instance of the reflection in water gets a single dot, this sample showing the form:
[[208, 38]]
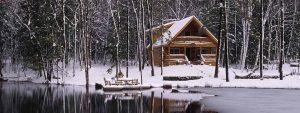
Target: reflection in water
[[32, 98]]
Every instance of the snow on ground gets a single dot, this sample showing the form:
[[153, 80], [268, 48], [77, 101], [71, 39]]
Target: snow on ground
[[98, 72]]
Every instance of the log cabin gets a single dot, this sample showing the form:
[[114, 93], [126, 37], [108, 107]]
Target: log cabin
[[185, 41]]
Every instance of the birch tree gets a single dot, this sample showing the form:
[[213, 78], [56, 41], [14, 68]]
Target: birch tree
[[137, 15], [247, 9], [162, 47], [127, 47], [117, 35], [150, 19]]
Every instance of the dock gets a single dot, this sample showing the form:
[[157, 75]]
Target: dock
[[126, 87]]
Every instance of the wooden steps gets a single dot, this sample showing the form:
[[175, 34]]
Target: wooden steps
[[209, 59], [176, 59]]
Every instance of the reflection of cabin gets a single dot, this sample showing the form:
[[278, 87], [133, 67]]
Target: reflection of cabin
[[184, 41]]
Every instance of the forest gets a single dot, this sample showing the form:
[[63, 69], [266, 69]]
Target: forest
[[48, 36]]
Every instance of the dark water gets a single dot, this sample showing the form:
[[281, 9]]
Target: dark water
[[39, 98]]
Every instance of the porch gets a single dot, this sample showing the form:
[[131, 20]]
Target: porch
[[190, 55]]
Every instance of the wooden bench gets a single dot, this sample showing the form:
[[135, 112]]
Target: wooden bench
[[117, 82], [124, 81], [106, 82], [129, 81]]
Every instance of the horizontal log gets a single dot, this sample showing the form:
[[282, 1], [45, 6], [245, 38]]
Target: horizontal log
[[192, 38], [207, 44]]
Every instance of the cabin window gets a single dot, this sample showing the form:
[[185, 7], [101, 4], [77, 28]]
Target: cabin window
[[174, 51], [204, 51], [213, 50], [208, 50]]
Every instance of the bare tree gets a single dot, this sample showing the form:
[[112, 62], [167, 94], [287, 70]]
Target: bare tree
[[292, 36], [144, 34], [118, 36], [226, 40], [162, 47], [150, 19], [65, 40], [219, 39], [261, 41], [75, 39], [281, 41], [246, 9], [127, 45], [137, 13], [85, 20]]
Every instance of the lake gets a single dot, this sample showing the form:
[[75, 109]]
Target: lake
[[247, 100], [41, 98]]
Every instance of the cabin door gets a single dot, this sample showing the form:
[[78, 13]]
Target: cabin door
[[188, 53]]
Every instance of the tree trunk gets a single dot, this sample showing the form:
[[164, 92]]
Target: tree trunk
[[162, 47], [127, 47], [247, 13], [226, 41], [281, 41], [1, 66], [118, 37], [85, 34], [65, 41], [270, 42], [149, 4], [138, 37], [289, 49], [261, 41], [219, 40], [145, 53], [106, 39], [75, 41]]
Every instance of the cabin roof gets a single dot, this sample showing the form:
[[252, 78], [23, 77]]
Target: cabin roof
[[159, 27], [177, 28]]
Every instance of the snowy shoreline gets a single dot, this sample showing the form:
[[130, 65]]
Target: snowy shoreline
[[97, 74]]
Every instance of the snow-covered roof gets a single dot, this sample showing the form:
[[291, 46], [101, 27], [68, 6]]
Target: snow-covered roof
[[158, 27], [175, 30]]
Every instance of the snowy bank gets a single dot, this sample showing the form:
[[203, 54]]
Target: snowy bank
[[97, 74]]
